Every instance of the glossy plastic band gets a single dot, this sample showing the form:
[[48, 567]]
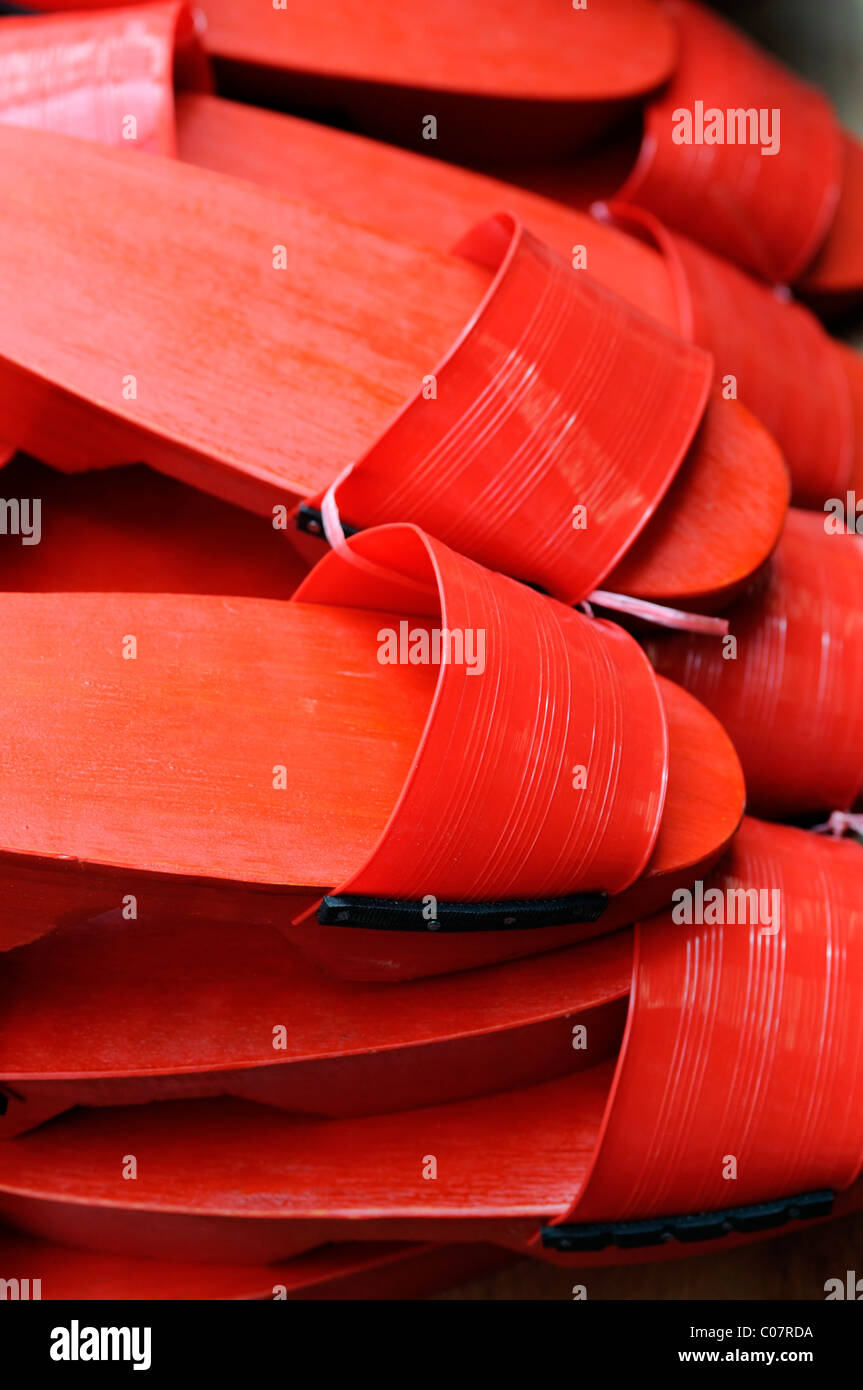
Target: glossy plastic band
[[742, 1066], [769, 345], [106, 76], [759, 181], [557, 781], [792, 700], [554, 427]]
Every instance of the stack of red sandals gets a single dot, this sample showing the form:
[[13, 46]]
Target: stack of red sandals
[[401, 605]]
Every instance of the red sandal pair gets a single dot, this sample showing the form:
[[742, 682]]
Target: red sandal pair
[[285, 763]]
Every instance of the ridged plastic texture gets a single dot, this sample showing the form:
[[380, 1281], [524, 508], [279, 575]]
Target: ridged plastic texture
[[792, 697], [490, 808], [744, 1043], [769, 212], [770, 345], [557, 395]]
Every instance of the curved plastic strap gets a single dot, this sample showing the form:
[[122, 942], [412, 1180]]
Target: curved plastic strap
[[542, 767], [106, 76], [741, 1074], [767, 210], [553, 429], [770, 344]]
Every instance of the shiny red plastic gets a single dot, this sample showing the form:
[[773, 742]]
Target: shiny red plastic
[[791, 696], [109, 77], [558, 692], [764, 345], [744, 1042], [834, 279], [529, 424], [767, 211]]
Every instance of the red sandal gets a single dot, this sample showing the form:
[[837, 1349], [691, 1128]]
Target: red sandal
[[514, 448], [583, 815], [733, 1109]]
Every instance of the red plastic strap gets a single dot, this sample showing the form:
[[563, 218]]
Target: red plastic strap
[[106, 76], [494, 806], [557, 396], [792, 698], [771, 345], [769, 212], [742, 1044]]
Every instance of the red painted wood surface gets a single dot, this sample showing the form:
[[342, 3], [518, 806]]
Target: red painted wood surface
[[132, 530], [491, 79], [379, 1271], [701, 814], [173, 1020], [408, 196]]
